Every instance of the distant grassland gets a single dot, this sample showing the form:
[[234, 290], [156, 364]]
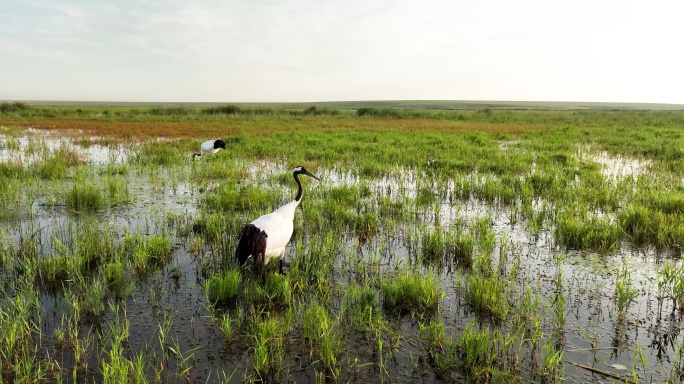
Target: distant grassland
[[396, 104], [194, 121]]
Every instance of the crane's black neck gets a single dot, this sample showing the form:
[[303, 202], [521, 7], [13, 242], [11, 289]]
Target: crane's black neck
[[300, 191]]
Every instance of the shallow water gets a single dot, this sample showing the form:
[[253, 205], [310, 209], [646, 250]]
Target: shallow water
[[615, 167], [33, 146]]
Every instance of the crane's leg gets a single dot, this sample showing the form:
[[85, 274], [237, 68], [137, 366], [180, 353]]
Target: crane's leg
[[262, 269], [282, 261]]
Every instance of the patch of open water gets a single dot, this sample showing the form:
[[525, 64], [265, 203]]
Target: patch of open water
[[615, 167], [36, 144]]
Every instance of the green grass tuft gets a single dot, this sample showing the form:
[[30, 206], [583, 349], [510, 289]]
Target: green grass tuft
[[586, 232], [85, 198], [487, 296], [223, 287], [228, 198], [411, 292]]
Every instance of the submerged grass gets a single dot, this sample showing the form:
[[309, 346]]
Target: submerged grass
[[625, 295]]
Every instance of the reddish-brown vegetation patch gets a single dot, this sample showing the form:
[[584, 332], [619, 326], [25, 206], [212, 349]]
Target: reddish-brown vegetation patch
[[142, 131]]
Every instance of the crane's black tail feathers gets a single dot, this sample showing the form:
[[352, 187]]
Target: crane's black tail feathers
[[252, 243], [219, 144]]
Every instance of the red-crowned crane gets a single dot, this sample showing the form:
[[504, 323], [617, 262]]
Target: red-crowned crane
[[267, 236], [212, 146]]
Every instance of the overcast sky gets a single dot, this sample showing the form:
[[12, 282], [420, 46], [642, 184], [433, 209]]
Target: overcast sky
[[307, 50]]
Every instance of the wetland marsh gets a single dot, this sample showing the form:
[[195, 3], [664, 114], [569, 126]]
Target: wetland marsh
[[440, 246]]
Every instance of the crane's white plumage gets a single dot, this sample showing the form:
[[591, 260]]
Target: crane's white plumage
[[267, 236], [212, 146], [278, 225]]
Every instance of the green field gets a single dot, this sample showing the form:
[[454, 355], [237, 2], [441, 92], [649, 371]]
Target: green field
[[441, 245]]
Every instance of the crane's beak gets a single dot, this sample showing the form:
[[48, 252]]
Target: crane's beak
[[312, 175]]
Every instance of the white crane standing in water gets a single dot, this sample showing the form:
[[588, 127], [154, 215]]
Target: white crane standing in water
[[267, 236], [212, 146]]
